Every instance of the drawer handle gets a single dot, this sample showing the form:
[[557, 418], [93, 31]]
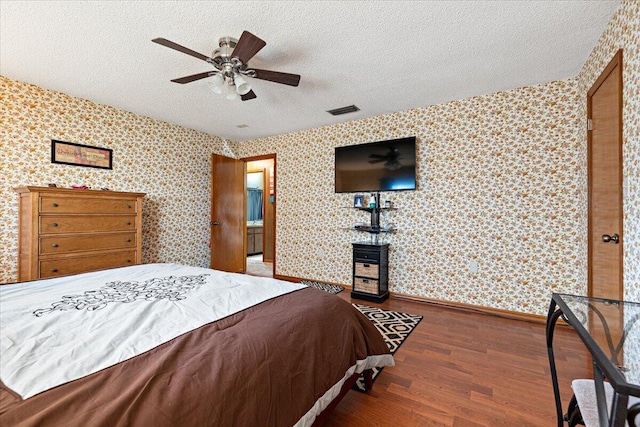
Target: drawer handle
[[128, 260], [54, 270], [55, 245], [366, 265], [55, 224], [128, 206], [365, 281], [55, 205], [129, 223], [128, 240]]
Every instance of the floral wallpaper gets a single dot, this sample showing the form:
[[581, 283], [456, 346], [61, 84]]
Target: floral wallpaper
[[623, 32], [500, 183], [169, 163]]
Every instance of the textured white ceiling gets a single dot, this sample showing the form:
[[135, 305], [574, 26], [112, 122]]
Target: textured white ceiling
[[381, 56]]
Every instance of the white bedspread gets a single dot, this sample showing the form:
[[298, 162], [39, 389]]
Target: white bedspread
[[45, 324]]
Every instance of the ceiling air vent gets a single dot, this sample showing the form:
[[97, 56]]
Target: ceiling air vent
[[343, 110]]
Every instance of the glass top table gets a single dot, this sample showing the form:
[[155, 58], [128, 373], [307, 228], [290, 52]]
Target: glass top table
[[610, 330]]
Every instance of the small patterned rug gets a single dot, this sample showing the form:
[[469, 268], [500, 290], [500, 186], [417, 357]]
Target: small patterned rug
[[257, 267], [332, 289], [394, 326]]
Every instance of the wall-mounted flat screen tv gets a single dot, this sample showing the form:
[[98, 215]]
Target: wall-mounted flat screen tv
[[377, 166]]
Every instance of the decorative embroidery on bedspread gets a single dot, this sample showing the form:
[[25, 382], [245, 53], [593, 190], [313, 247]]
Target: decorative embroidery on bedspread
[[171, 288]]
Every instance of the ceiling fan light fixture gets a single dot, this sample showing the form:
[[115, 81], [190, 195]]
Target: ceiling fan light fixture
[[230, 61], [242, 87], [393, 165], [215, 83], [231, 92]]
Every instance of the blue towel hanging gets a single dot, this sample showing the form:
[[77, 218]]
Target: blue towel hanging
[[254, 204]]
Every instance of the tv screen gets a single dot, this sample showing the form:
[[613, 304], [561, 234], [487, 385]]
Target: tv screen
[[376, 166]]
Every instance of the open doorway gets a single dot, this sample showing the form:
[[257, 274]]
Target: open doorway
[[260, 202]]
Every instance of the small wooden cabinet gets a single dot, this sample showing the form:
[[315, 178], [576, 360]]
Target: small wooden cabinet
[[66, 231], [370, 271], [254, 240]]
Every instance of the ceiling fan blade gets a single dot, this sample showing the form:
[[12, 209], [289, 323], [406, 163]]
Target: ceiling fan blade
[[378, 156], [247, 96], [193, 77], [247, 46], [377, 161], [278, 77], [179, 48]]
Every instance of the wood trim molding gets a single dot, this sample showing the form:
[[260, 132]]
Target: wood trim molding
[[616, 61], [256, 158], [534, 318], [527, 317], [291, 278], [273, 157]]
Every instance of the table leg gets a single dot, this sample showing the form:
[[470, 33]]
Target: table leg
[[552, 319]]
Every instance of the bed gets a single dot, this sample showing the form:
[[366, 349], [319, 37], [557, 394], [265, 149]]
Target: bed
[[167, 345]]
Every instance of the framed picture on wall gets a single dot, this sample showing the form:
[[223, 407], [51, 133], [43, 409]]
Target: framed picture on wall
[[358, 201], [68, 153]]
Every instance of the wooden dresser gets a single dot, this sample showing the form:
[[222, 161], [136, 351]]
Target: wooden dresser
[[66, 231]]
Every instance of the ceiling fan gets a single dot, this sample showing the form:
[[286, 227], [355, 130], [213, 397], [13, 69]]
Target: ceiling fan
[[391, 159], [230, 61]]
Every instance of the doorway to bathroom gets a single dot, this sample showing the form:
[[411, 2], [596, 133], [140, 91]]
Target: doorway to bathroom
[[261, 209]]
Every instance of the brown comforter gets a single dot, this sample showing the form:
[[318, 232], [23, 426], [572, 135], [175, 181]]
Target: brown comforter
[[264, 366]]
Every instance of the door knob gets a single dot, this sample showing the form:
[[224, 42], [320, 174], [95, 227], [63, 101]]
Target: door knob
[[615, 238], [215, 223]]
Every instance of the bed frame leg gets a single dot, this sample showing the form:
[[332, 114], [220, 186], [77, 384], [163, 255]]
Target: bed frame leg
[[368, 383], [368, 379]]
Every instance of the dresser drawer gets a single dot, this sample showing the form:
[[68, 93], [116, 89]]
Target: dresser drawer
[[368, 286], [74, 265], [53, 204], [367, 270], [364, 256], [51, 224], [65, 244]]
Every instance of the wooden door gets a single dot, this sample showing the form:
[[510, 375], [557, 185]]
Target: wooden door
[[604, 111], [228, 214], [269, 230]]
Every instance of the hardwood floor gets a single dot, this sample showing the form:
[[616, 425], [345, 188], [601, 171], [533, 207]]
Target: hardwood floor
[[466, 369]]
